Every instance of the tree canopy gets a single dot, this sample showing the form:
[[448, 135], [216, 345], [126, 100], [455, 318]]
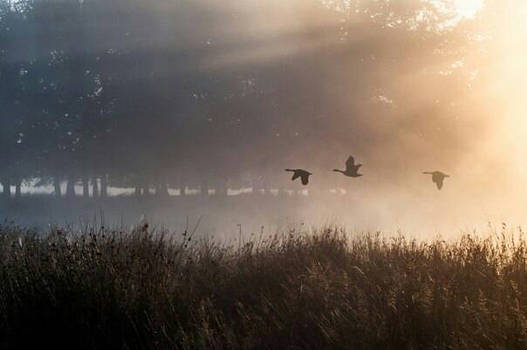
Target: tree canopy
[[199, 93]]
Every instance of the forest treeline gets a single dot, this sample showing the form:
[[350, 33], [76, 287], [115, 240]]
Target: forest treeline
[[219, 94]]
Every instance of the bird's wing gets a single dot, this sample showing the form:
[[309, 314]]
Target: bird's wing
[[439, 183], [350, 163], [296, 175], [305, 179]]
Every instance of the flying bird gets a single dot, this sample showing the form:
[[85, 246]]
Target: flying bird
[[437, 177], [300, 173], [352, 169]]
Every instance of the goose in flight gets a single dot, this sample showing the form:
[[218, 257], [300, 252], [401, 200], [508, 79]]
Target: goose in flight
[[300, 173], [352, 169], [437, 177]]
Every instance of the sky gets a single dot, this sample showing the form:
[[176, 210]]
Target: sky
[[468, 8]]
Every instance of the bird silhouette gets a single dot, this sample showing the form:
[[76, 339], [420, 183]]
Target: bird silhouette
[[437, 177], [300, 173], [352, 169]]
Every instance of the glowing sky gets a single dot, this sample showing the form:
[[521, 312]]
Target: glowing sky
[[468, 8]]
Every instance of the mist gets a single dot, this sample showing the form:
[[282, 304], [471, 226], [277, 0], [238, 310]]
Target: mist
[[189, 111]]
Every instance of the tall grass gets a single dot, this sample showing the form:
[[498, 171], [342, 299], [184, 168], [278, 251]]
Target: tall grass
[[108, 289]]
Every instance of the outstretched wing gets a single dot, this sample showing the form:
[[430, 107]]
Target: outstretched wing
[[295, 174], [350, 163], [439, 183], [305, 179]]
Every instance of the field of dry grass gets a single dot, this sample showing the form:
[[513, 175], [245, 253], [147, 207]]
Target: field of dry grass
[[106, 289]]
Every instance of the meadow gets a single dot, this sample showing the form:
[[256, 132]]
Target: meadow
[[106, 288]]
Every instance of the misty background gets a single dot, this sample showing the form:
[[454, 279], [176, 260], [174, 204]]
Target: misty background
[[176, 109]]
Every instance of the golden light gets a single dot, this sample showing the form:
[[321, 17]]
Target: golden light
[[468, 8]]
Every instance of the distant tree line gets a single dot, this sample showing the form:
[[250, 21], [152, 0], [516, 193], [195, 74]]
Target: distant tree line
[[212, 94]]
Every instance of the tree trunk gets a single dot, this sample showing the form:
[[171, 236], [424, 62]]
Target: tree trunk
[[222, 188], [70, 188], [56, 184], [204, 188], [18, 190], [258, 186], [86, 187], [145, 190], [104, 186], [162, 190], [183, 190], [95, 187], [7, 188]]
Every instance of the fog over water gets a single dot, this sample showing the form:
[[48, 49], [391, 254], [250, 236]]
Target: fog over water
[[135, 100]]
